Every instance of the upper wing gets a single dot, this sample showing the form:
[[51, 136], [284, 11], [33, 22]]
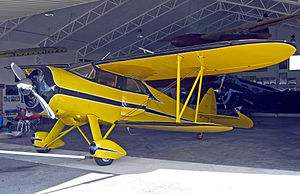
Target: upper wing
[[219, 58]]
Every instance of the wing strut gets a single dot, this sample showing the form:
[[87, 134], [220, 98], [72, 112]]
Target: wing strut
[[179, 112], [179, 60], [201, 59]]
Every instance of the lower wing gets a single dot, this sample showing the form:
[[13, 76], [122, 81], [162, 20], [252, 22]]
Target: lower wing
[[173, 126]]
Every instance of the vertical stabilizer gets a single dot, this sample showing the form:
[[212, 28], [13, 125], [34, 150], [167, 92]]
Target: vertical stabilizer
[[208, 103]]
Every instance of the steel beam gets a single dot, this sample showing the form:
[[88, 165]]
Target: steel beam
[[9, 25], [259, 8], [278, 7], [130, 26], [168, 30], [241, 10], [82, 21]]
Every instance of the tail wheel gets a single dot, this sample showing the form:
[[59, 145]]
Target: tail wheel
[[103, 161], [200, 136], [43, 150]]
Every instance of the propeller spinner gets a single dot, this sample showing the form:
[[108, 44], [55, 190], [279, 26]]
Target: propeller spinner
[[26, 84]]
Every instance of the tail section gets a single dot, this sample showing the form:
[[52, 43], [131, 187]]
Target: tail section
[[208, 112], [208, 103]]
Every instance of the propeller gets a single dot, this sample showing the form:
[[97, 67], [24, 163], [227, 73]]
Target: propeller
[[26, 84], [253, 27], [219, 91]]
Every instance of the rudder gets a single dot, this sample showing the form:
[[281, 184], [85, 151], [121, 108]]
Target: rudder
[[208, 103]]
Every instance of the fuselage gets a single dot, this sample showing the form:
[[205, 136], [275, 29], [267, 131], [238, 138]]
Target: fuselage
[[111, 97]]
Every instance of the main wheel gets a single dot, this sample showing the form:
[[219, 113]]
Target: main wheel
[[43, 150], [103, 161]]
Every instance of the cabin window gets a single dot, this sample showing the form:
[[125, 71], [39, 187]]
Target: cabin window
[[135, 86], [108, 79], [85, 70]]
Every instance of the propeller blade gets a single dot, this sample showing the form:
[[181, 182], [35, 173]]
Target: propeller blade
[[44, 104], [273, 22], [25, 84], [252, 27], [222, 81], [19, 73]]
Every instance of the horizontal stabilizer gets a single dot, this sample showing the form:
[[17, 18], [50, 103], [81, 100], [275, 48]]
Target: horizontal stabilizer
[[173, 126], [240, 122], [213, 116]]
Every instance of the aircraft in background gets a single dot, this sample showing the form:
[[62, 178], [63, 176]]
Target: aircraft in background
[[256, 30], [254, 97], [115, 93]]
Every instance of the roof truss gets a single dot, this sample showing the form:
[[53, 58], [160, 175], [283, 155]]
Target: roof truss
[[9, 25], [128, 27], [81, 22], [238, 10]]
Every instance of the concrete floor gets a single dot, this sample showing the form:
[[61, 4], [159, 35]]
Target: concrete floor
[[271, 148]]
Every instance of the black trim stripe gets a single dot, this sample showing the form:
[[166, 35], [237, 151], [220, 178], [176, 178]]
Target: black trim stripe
[[108, 150], [168, 124], [99, 99], [163, 114]]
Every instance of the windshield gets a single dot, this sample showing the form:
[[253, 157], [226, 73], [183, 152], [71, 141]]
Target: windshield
[[85, 70]]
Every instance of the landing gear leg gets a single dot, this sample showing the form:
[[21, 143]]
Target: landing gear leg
[[96, 133], [103, 150]]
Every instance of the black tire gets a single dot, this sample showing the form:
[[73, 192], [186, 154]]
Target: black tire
[[103, 161], [43, 150]]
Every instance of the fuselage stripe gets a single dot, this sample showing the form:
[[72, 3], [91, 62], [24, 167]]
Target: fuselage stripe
[[163, 114], [68, 92], [171, 124], [99, 99]]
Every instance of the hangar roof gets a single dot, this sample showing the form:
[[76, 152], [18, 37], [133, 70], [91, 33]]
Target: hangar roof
[[20, 8], [117, 28]]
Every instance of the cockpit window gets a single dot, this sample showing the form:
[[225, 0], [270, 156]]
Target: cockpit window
[[86, 71], [108, 79], [135, 86]]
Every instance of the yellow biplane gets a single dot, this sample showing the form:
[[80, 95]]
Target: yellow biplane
[[115, 93]]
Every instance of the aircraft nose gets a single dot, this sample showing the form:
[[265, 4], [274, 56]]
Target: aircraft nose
[[43, 86]]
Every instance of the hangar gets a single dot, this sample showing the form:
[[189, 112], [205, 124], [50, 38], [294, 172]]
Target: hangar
[[121, 36]]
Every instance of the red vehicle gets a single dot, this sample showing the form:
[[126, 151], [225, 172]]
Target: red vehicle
[[25, 121]]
